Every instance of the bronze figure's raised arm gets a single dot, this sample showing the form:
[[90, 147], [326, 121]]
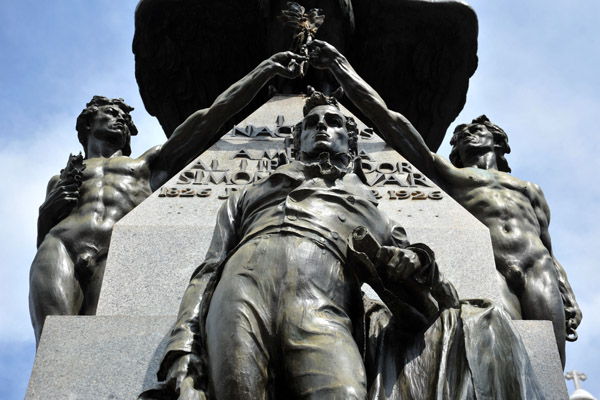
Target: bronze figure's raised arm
[[515, 211], [83, 203]]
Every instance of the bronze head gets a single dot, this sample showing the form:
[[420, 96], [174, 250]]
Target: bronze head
[[93, 108], [329, 118], [501, 146]]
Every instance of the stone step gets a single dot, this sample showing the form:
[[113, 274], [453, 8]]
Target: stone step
[[116, 357]]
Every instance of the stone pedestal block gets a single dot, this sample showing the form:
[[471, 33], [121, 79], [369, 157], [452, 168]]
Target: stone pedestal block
[[157, 246], [116, 357]]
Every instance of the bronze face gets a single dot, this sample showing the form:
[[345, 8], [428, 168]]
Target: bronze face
[[324, 129], [110, 124], [475, 137]]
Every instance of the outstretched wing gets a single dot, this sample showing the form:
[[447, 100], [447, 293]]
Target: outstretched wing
[[187, 52], [418, 55]]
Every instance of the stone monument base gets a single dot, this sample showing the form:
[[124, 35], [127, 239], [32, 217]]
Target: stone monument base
[[116, 357]]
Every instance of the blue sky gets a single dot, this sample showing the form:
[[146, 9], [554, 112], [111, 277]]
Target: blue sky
[[537, 78]]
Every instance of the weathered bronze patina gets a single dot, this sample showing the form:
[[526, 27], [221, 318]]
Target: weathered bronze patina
[[276, 311], [84, 202], [515, 211], [418, 54]]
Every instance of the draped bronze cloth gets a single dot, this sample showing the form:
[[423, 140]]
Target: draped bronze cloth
[[472, 352]]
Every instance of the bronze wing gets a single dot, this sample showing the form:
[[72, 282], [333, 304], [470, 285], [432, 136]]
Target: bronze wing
[[418, 55], [187, 52]]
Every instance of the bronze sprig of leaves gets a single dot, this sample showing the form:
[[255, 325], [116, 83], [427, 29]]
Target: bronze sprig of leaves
[[304, 27]]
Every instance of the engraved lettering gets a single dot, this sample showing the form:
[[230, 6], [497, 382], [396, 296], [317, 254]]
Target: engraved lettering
[[260, 175], [267, 165], [288, 144], [404, 167], [187, 192], [168, 192], [366, 133], [200, 165], [435, 195], [268, 156], [393, 180], [241, 178], [377, 180], [204, 192], [418, 195], [214, 166], [367, 167], [402, 194], [417, 179], [216, 179], [199, 177], [364, 156], [283, 131], [186, 177], [247, 131], [386, 168], [227, 193], [262, 131], [415, 195], [241, 154]]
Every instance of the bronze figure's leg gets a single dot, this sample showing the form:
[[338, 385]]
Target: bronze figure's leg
[[89, 273], [237, 329], [541, 299], [54, 289], [321, 358]]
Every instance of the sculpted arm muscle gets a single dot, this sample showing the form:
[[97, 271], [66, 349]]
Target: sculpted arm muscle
[[395, 129], [542, 212], [449, 177], [204, 127]]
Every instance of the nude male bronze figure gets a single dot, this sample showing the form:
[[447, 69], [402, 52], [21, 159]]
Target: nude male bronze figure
[[77, 217], [515, 211]]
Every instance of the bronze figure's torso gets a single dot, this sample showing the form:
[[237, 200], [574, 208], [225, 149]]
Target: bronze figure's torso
[[111, 187]]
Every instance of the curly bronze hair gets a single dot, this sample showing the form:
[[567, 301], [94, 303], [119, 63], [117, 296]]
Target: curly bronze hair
[[317, 99], [87, 115], [501, 146]]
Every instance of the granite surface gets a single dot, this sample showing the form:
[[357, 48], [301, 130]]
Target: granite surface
[[156, 247], [538, 338], [116, 357], [98, 357]]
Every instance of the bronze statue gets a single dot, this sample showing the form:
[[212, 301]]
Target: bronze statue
[[276, 310], [83, 203], [515, 211], [421, 53]]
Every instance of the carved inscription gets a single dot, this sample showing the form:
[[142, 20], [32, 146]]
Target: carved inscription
[[414, 195], [185, 192], [389, 180]]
